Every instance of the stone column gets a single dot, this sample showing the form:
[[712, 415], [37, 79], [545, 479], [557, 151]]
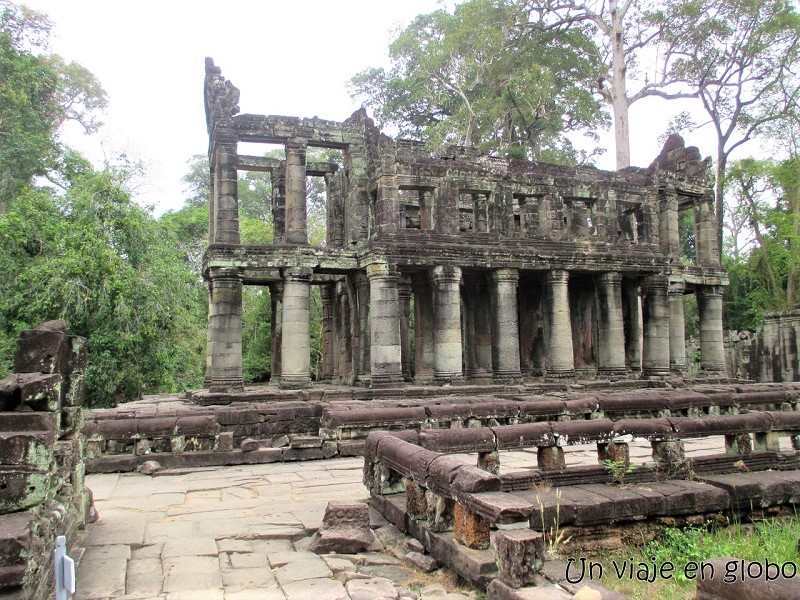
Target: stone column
[[226, 205], [296, 228], [224, 338], [633, 326], [326, 294], [446, 282], [276, 322], [712, 347], [611, 328], [362, 366], [295, 341], [404, 292], [655, 350], [668, 234], [384, 303], [706, 240], [344, 332], [677, 328], [560, 357], [279, 205], [423, 330], [505, 326]]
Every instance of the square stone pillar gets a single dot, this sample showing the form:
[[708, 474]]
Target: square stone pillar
[[505, 326], [226, 201], [558, 337], [404, 292], [224, 337], [633, 325], [668, 233], [707, 233], [446, 282], [295, 339], [677, 328], [712, 346], [363, 362], [276, 323], [611, 327], [326, 293], [477, 327], [296, 227], [344, 332], [279, 204], [384, 301], [424, 354], [655, 350]]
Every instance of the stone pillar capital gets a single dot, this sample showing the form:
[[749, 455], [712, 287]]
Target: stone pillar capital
[[224, 275], [326, 293], [360, 279], [676, 288], [711, 291], [611, 278], [381, 270], [558, 276], [504, 275], [446, 274], [654, 283], [296, 144], [297, 274]]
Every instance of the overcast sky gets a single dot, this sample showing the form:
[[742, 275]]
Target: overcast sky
[[287, 57]]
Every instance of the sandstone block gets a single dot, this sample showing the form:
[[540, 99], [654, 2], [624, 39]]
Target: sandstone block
[[520, 556], [345, 529]]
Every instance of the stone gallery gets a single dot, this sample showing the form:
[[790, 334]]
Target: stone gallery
[[514, 269]]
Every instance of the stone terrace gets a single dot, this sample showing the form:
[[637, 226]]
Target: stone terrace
[[240, 533]]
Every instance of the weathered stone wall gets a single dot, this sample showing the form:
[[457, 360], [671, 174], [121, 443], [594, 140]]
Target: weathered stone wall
[[774, 349], [41, 457]]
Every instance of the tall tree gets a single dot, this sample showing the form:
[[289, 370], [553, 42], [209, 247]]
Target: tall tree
[[630, 39], [477, 77], [39, 91], [740, 58]]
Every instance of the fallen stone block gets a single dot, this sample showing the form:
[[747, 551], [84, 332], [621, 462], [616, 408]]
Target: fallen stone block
[[345, 529]]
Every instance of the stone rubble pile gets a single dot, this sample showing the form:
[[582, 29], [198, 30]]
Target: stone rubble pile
[[42, 492]]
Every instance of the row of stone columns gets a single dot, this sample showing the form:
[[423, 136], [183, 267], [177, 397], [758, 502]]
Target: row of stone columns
[[379, 338]]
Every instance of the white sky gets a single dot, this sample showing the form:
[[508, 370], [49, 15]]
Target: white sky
[[287, 57]]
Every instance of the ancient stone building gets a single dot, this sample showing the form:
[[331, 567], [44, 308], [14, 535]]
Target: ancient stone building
[[514, 269]]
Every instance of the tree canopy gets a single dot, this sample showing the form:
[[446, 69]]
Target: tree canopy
[[477, 77]]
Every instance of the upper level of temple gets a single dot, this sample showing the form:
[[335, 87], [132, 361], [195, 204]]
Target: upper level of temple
[[393, 200]]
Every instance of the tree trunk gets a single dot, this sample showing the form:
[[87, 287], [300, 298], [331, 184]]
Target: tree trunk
[[619, 93], [719, 192]]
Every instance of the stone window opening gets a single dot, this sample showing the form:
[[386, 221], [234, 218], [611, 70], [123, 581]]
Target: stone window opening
[[631, 224], [582, 220], [687, 233], [416, 208], [474, 211]]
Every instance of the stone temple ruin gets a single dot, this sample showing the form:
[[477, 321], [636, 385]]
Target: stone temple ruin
[[514, 269]]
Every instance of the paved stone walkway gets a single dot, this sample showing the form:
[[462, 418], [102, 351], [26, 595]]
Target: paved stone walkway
[[241, 533]]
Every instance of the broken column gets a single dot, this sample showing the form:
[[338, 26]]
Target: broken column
[[295, 342], [384, 301], [677, 328], [224, 337], [296, 228], [611, 330], [505, 327], [655, 349], [559, 331], [712, 345], [446, 282]]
